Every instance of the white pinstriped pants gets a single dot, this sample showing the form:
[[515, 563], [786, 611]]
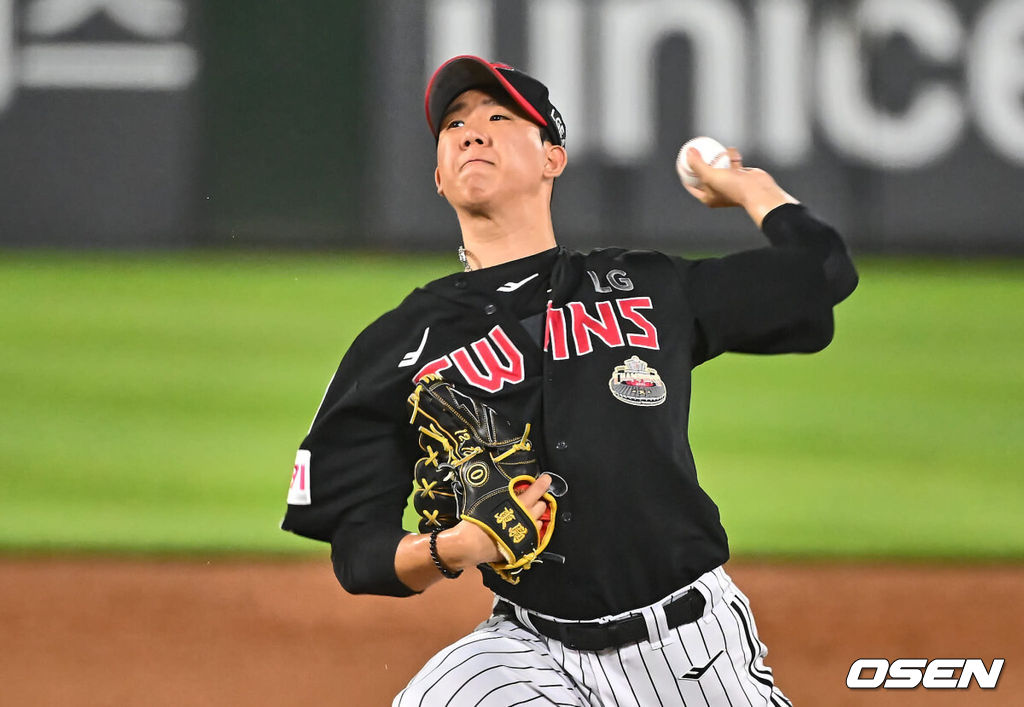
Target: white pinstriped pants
[[715, 661]]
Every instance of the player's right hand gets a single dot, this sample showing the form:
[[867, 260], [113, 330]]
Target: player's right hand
[[752, 188]]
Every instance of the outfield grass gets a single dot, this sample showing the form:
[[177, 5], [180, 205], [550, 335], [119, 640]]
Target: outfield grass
[[155, 401]]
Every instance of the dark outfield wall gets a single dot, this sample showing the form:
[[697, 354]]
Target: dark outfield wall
[[903, 122], [302, 122], [286, 119], [98, 123]]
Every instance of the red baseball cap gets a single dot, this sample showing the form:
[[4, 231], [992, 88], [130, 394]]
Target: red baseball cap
[[464, 72]]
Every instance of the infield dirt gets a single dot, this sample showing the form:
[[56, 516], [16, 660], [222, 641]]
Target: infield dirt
[[235, 632]]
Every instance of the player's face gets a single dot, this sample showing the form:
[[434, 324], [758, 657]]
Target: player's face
[[489, 152]]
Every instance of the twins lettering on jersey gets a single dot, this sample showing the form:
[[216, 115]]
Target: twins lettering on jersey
[[491, 362], [498, 361], [605, 327]]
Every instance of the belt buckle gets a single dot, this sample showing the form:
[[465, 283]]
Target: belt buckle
[[562, 629], [615, 631], [586, 636], [627, 630]]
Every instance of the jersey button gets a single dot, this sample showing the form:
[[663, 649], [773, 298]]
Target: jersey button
[[566, 516], [561, 444], [490, 309], [460, 283]]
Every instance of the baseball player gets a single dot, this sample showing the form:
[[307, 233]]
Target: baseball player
[[579, 365]]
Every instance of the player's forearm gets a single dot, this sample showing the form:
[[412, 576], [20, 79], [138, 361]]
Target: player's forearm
[[413, 564], [763, 197], [415, 567]]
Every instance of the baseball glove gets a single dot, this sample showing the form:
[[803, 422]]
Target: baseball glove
[[474, 465]]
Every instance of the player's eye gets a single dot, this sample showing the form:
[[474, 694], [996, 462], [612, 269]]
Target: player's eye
[[499, 116], [455, 124]]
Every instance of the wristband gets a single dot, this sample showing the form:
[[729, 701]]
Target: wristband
[[437, 558]]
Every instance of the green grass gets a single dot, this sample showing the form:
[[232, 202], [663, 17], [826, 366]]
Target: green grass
[[156, 402], [153, 402], [904, 438]]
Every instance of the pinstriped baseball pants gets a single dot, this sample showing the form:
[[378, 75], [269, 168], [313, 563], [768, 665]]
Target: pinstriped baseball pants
[[715, 661]]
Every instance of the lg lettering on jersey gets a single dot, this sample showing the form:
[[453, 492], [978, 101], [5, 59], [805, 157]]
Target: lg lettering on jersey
[[908, 673], [491, 362], [617, 279]]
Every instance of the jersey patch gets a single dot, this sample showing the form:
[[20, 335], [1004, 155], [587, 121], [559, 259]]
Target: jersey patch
[[636, 383], [298, 491]]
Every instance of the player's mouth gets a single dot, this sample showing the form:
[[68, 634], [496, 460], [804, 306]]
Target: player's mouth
[[475, 161]]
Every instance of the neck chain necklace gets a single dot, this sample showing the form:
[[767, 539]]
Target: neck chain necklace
[[463, 259]]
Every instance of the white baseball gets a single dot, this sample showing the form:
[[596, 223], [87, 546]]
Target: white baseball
[[711, 150]]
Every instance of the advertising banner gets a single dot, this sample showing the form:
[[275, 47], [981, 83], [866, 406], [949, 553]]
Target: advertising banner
[[902, 122], [97, 122]]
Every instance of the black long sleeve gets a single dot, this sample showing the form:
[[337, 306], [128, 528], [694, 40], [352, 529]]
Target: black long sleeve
[[793, 226], [770, 300]]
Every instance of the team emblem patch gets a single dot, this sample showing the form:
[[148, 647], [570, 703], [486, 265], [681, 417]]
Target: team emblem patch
[[636, 383]]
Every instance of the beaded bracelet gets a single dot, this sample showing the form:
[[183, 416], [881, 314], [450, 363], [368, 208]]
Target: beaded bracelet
[[437, 558]]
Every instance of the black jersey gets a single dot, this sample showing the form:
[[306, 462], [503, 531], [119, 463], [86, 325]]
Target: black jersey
[[596, 350]]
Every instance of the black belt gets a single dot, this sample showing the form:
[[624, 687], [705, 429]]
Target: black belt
[[593, 636]]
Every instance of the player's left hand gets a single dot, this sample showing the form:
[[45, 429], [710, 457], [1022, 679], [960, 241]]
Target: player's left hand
[[752, 188], [472, 546], [486, 466]]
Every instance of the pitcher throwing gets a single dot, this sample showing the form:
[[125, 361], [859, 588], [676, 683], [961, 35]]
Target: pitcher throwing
[[605, 555]]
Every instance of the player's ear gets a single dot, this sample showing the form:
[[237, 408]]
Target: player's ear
[[555, 161], [437, 181]]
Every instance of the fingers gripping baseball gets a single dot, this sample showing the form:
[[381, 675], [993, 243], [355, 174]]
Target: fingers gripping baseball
[[722, 185], [719, 187]]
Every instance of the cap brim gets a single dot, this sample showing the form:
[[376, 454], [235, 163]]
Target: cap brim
[[460, 74]]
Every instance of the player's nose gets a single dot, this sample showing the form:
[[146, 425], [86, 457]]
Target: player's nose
[[473, 136]]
